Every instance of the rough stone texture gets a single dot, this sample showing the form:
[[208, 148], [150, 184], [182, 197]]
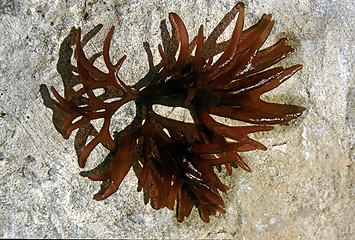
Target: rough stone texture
[[301, 188]]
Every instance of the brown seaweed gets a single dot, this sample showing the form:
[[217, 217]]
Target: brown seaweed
[[175, 161]]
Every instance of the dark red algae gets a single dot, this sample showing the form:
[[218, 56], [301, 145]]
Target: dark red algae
[[176, 161]]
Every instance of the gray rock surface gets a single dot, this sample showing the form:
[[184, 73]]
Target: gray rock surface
[[302, 187]]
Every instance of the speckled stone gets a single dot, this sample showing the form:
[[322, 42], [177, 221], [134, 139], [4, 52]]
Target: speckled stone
[[302, 187]]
